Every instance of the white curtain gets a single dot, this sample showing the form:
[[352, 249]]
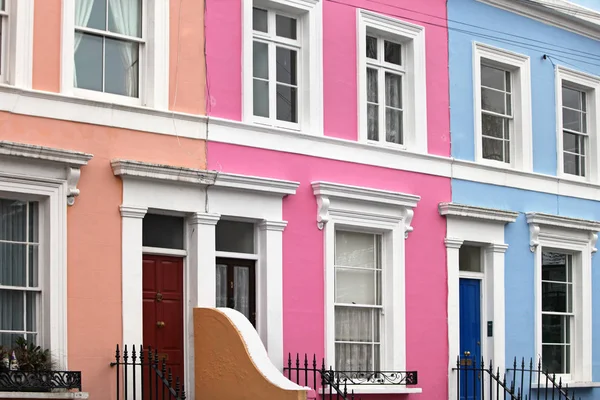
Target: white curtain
[[353, 324], [83, 11], [221, 285], [126, 17], [241, 295]]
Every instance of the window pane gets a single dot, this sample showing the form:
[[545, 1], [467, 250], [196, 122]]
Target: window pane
[[354, 249], [260, 96], [221, 285], [286, 66], [88, 62], [11, 310], [285, 27], [572, 143], [393, 126], [372, 122], [13, 220], [33, 266], [492, 126], [372, 86], [122, 64], [574, 164], [33, 222], [393, 90], [392, 52], [31, 303], [492, 100], [235, 236], [91, 14], [372, 47], [287, 103], [353, 324], [356, 286], [469, 258], [125, 16], [162, 231], [2, 5], [12, 264], [554, 266], [493, 149], [554, 297], [554, 359], [260, 60], [555, 329], [259, 20], [241, 290], [493, 77], [572, 120], [508, 82], [571, 98], [353, 357]]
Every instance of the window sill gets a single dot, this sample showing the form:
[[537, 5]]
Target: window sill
[[33, 395], [580, 384], [378, 389]]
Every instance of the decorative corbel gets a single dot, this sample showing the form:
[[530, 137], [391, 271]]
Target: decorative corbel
[[593, 240], [408, 216], [534, 237], [73, 175], [322, 211]]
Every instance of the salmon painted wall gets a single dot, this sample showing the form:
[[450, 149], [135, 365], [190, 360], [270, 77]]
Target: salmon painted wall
[[303, 277], [340, 92], [186, 52]]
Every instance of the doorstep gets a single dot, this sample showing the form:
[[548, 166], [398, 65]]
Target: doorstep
[[33, 395]]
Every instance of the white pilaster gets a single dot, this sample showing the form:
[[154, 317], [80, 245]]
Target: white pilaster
[[495, 252], [201, 267], [131, 264], [269, 290], [452, 249]]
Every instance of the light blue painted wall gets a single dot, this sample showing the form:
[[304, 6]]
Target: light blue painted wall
[[519, 262], [591, 4], [484, 24]]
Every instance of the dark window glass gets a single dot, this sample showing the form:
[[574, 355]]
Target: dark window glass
[[162, 231]]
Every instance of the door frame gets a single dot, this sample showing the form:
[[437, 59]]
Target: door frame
[[188, 344]]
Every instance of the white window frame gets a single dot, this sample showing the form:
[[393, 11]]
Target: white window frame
[[309, 69], [576, 237], [591, 86], [48, 176], [17, 44], [153, 85], [414, 85], [360, 209], [520, 127]]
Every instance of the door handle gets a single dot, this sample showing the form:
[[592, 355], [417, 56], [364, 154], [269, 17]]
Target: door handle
[[467, 353], [160, 324]]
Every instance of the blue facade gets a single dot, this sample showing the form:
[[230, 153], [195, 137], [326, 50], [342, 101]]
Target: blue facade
[[473, 21]]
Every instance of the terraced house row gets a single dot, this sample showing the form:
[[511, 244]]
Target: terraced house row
[[300, 199]]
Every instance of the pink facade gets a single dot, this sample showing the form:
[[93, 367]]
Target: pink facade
[[303, 254]]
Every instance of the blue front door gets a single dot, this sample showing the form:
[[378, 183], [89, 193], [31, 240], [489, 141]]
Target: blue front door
[[470, 339]]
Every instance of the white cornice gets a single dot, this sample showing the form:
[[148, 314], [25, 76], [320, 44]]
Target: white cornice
[[69, 160], [473, 212], [538, 221], [161, 172], [362, 203], [576, 20], [66, 157]]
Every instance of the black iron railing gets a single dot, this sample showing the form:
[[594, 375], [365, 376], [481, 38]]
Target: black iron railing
[[334, 384], [141, 375], [475, 380], [39, 381]]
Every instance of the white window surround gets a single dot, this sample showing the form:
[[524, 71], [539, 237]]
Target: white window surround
[[412, 38], [17, 45], [484, 227], [154, 59], [310, 61], [577, 237], [370, 210], [46, 175], [521, 129], [591, 86], [148, 186]]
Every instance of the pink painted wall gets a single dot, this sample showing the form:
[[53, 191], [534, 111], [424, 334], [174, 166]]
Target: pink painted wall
[[340, 92], [303, 279]]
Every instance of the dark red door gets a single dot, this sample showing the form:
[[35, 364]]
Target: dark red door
[[163, 309]]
